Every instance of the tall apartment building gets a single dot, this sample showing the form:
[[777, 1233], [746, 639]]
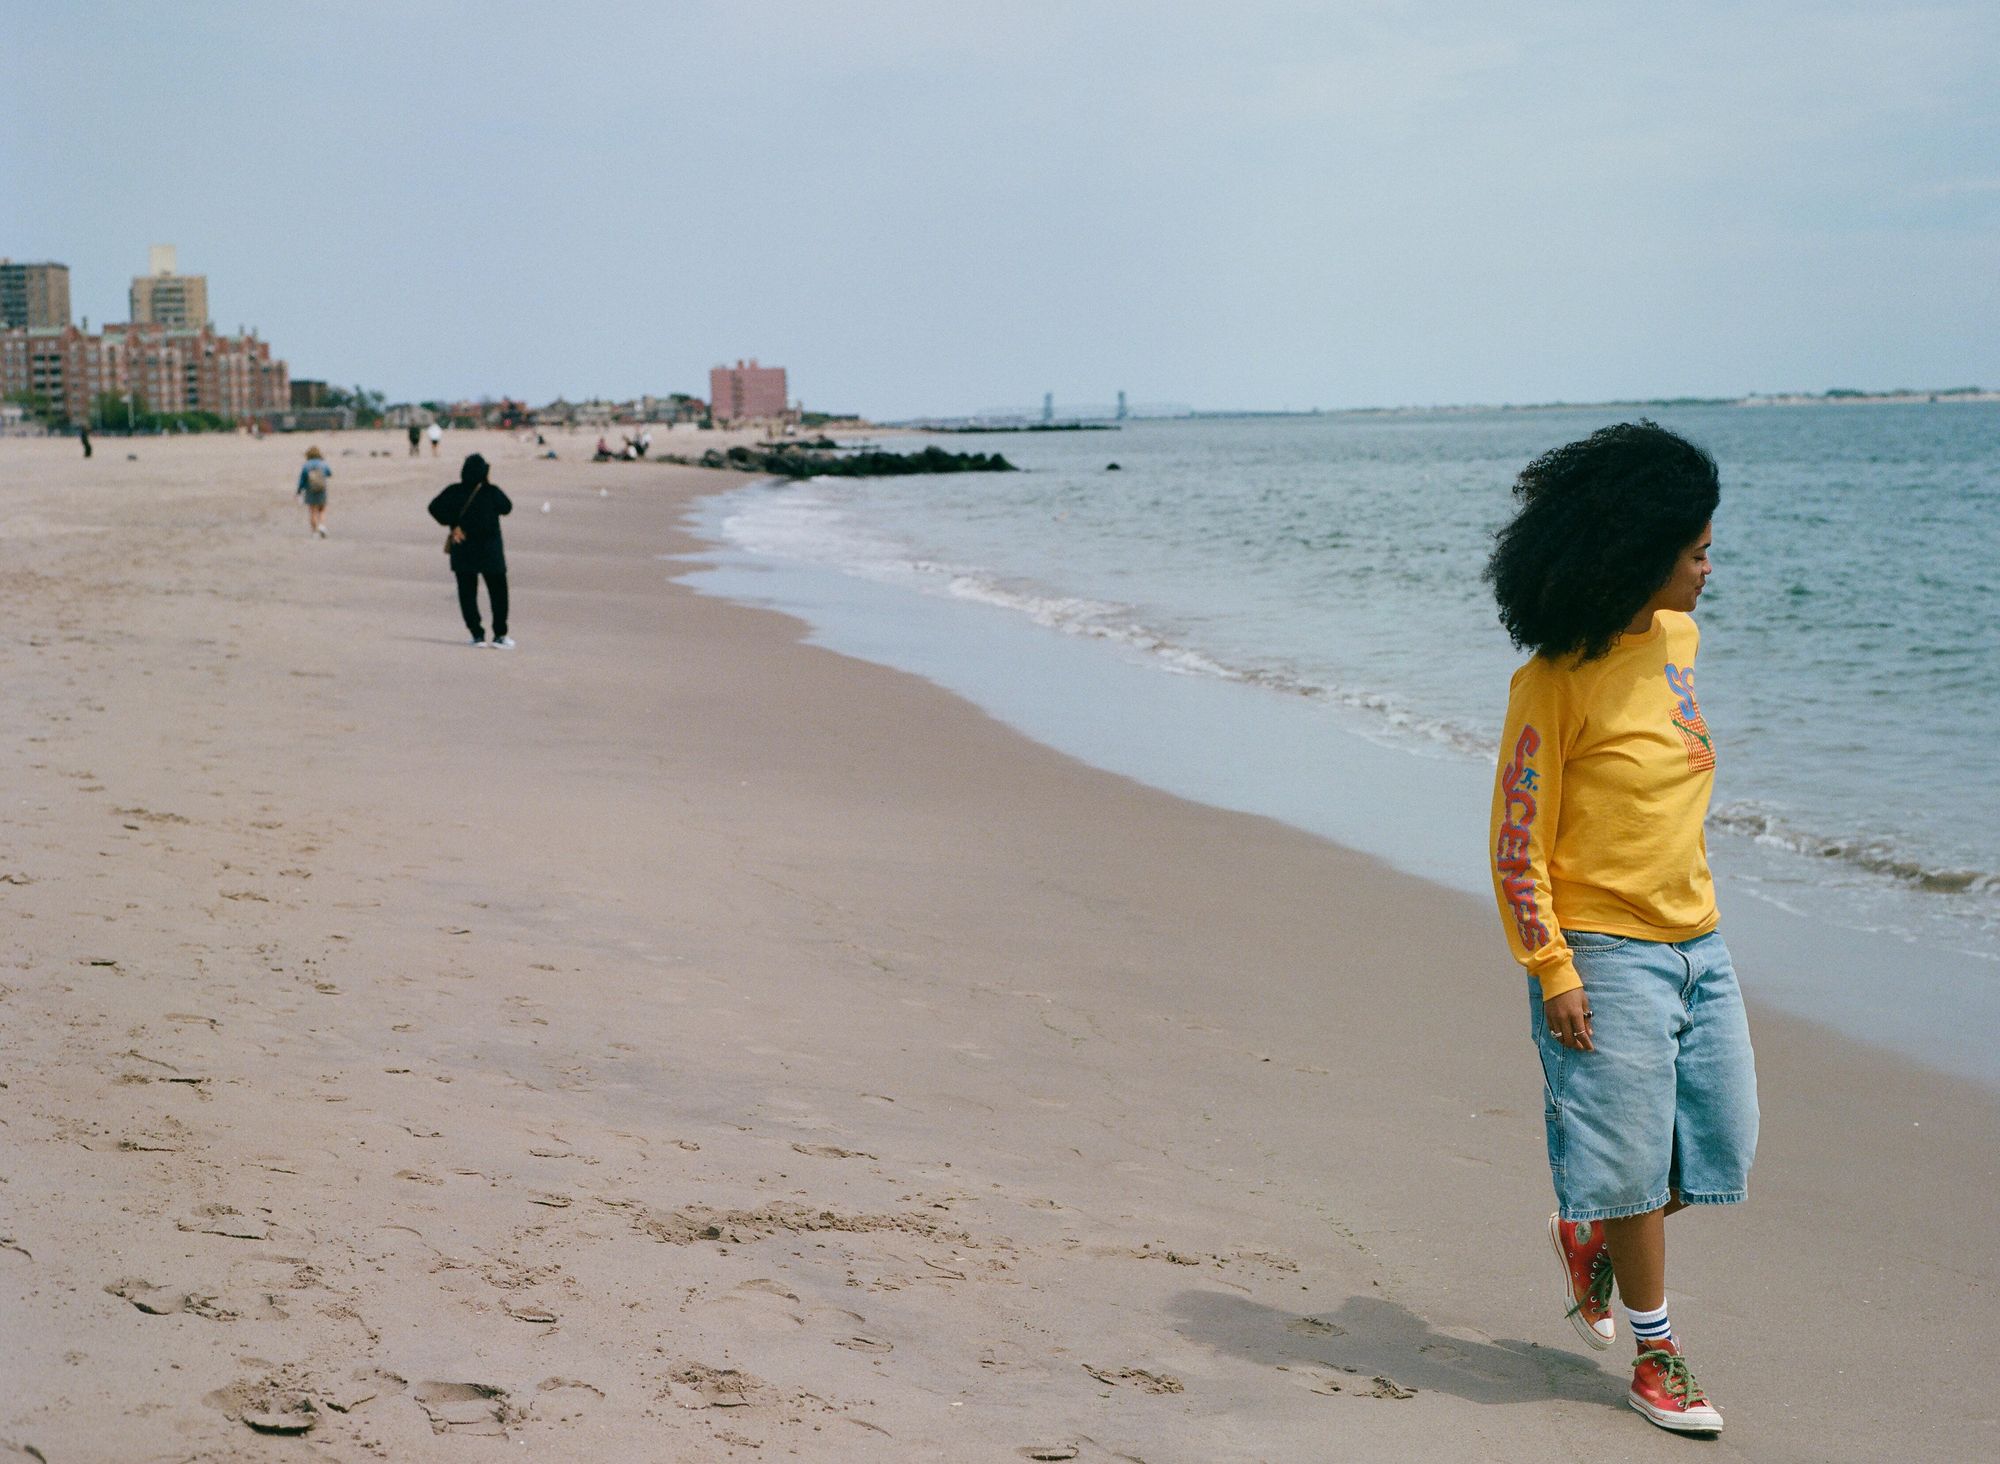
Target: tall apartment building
[[747, 392], [33, 295], [164, 369], [162, 296]]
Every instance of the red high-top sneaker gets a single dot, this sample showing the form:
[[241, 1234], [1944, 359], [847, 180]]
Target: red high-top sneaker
[[1665, 1391], [1586, 1268]]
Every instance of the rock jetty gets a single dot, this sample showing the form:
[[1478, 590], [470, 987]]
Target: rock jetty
[[821, 460]]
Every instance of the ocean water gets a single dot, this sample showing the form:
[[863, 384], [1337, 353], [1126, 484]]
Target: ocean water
[[1851, 632]]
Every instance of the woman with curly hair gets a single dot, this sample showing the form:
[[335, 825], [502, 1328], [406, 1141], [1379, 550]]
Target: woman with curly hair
[[1601, 870]]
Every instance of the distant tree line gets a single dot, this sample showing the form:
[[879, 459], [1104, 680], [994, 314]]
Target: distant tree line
[[367, 406]]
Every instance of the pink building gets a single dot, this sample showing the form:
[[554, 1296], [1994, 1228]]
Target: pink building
[[747, 392]]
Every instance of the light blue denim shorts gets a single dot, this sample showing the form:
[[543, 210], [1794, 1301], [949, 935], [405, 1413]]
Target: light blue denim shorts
[[1667, 1103]]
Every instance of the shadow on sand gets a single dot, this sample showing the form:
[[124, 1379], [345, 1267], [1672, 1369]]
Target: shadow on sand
[[1370, 1337]]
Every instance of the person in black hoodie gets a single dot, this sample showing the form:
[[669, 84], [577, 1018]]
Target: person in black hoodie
[[471, 509]]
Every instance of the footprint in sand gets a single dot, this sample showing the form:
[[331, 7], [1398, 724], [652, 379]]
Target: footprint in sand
[[828, 1151], [277, 1403], [719, 1387], [761, 1303], [565, 1400], [1315, 1327], [465, 1408], [1005, 1357], [225, 1220], [293, 1415], [1086, 1449], [1323, 1381], [154, 1301], [1138, 1377], [362, 1385], [1385, 1387]]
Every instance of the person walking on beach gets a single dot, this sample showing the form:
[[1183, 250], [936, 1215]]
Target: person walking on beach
[[312, 488], [84, 434], [436, 434], [471, 510], [416, 436], [1601, 870]]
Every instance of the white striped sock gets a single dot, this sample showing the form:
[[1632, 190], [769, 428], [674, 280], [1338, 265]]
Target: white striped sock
[[1650, 1326]]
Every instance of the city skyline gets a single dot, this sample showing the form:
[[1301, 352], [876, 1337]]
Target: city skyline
[[38, 293], [919, 214]]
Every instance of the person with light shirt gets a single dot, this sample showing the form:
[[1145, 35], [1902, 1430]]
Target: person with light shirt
[[1601, 871]]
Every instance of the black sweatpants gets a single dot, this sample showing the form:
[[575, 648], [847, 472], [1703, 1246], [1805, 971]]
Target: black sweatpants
[[496, 591]]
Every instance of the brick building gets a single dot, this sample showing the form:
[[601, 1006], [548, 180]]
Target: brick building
[[166, 369], [748, 392], [33, 295]]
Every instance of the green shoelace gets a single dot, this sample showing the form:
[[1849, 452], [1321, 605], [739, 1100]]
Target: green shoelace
[[1680, 1382], [1599, 1295]]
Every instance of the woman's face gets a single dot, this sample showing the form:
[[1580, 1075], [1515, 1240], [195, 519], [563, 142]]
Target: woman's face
[[1684, 586]]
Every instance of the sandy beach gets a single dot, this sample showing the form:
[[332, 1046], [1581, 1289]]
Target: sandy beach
[[670, 1040]]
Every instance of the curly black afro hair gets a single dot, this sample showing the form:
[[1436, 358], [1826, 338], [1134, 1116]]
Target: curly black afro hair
[[1601, 524]]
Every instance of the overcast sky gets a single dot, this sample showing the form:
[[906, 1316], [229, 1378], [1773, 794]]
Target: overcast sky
[[942, 207]]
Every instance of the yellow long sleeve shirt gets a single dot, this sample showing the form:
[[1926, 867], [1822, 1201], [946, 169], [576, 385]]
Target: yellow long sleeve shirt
[[1604, 779]]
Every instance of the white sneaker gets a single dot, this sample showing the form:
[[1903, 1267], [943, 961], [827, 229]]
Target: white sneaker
[[477, 644], [505, 643], [320, 531]]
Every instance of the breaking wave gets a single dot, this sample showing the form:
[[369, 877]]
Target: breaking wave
[[1877, 856]]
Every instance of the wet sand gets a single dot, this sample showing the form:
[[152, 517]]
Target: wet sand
[[670, 1040]]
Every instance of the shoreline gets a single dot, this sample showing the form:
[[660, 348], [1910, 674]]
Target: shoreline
[[1011, 1090], [1414, 796]]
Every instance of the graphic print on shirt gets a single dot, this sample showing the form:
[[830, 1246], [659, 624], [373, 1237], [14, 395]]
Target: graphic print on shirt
[[1687, 719], [1510, 851]]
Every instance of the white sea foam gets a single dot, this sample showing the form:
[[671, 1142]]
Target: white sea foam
[[810, 523]]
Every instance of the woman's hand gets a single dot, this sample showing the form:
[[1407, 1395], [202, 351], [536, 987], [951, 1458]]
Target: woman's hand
[[457, 535], [1568, 1016]]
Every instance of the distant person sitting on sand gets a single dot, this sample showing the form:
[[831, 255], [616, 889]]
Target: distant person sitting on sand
[[436, 434], [312, 488], [471, 509], [604, 454], [645, 441], [1605, 772], [416, 437]]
